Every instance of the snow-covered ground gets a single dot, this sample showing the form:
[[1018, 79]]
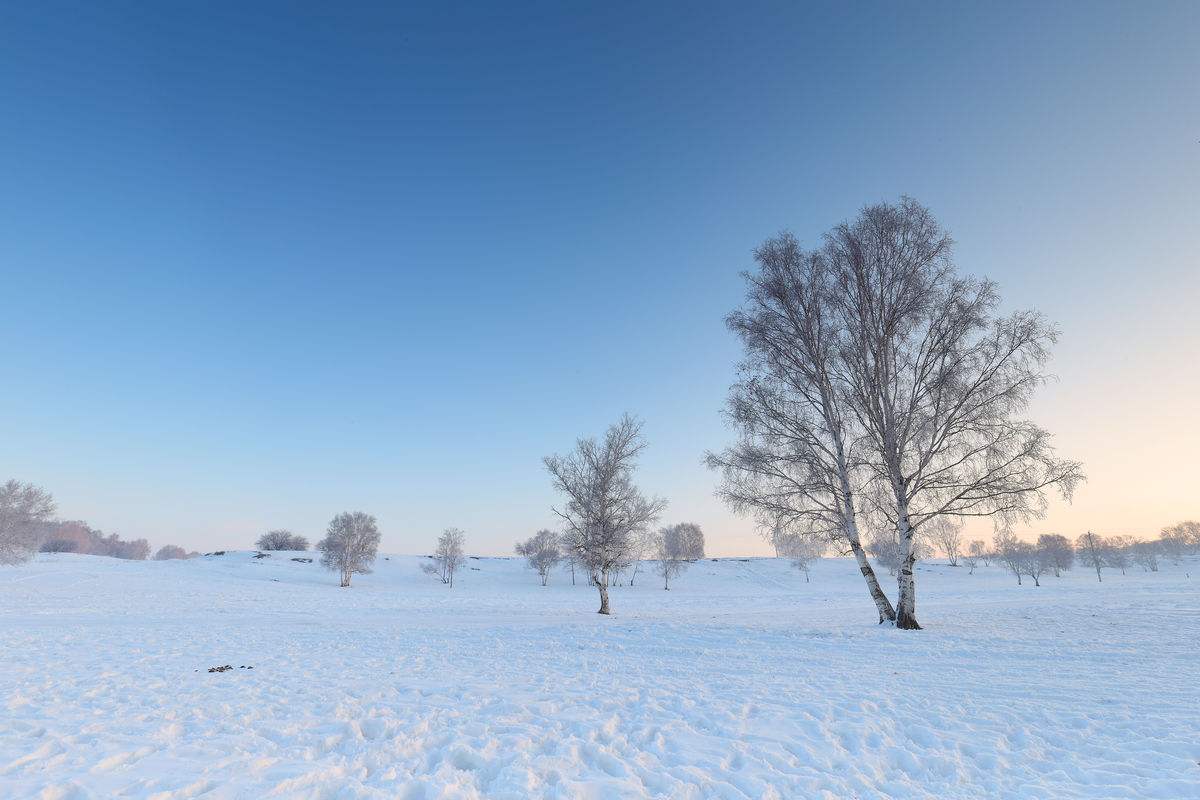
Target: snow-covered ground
[[743, 681]]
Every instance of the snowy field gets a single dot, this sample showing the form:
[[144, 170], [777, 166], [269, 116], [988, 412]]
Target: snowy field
[[743, 681]]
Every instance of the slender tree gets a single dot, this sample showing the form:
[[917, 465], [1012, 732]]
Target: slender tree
[[938, 381], [604, 512], [448, 556], [946, 533], [798, 464], [1093, 552]]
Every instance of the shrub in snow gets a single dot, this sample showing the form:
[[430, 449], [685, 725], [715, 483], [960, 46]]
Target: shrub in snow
[[448, 557], [24, 510], [604, 513], [541, 552], [60, 546], [676, 546], [171, 551], [350, 544], [281, 540]]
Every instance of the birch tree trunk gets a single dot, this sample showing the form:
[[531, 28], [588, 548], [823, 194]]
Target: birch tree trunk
[[602, 585], [850, 524], [906, 606]]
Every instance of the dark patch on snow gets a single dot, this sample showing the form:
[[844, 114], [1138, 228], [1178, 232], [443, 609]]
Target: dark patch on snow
[[303, 560]]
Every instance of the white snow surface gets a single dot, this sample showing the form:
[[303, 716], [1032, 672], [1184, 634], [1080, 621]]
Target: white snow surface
[[742, 681]]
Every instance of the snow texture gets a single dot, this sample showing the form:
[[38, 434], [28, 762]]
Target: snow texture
[[743, 681]]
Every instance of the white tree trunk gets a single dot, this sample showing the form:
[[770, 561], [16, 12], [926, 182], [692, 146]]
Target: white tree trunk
[[602, 585], [906, 607]]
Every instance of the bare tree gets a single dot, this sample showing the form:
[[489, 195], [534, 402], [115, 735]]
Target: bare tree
[[1059, 551], [170, 552], [24, 510], [978, 551], [1183, 536], [800, 550], [1093, 552], [798, 464], [938, 381], [448, 557], [1011, 552], [675, 547], [1175, 541], [350, 545], [604, 512], [1037, 560], [884, 547], [541, 552], [1119, 552], [281, 540], [1145, 555], [972, 561], [946, 534]]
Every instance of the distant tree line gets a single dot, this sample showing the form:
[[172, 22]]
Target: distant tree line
[[27, 527]]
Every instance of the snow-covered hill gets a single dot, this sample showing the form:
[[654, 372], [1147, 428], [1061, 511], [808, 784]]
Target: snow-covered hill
[[742, 681]]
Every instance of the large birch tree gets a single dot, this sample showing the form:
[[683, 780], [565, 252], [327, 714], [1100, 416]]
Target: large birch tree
[[798, 465]]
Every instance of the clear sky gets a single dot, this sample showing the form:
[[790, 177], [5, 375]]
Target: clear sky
[[262, 266]]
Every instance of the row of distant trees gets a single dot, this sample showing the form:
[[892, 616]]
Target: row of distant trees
[[27, 526], [670, 550], [1049, 553]]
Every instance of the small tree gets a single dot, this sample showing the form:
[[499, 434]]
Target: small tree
[[884, 549], [1036, 561], [1059, 551], [972, 561], [1173, 544], [350, 544], [604, 512], [541, 552], [448, 558], [1145, 555], [1093, 552], [946, 534], [978, 551], [675, 547], [170, 552], [1186, 534], [1119, 552], [281, 540], [1009, 552], [24, 510], [800, 550]]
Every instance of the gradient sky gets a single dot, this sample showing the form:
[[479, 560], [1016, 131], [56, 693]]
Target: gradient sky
[[261, 266]]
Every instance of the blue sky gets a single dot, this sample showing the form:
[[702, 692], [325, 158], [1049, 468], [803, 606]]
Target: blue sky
[[261, 266]]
